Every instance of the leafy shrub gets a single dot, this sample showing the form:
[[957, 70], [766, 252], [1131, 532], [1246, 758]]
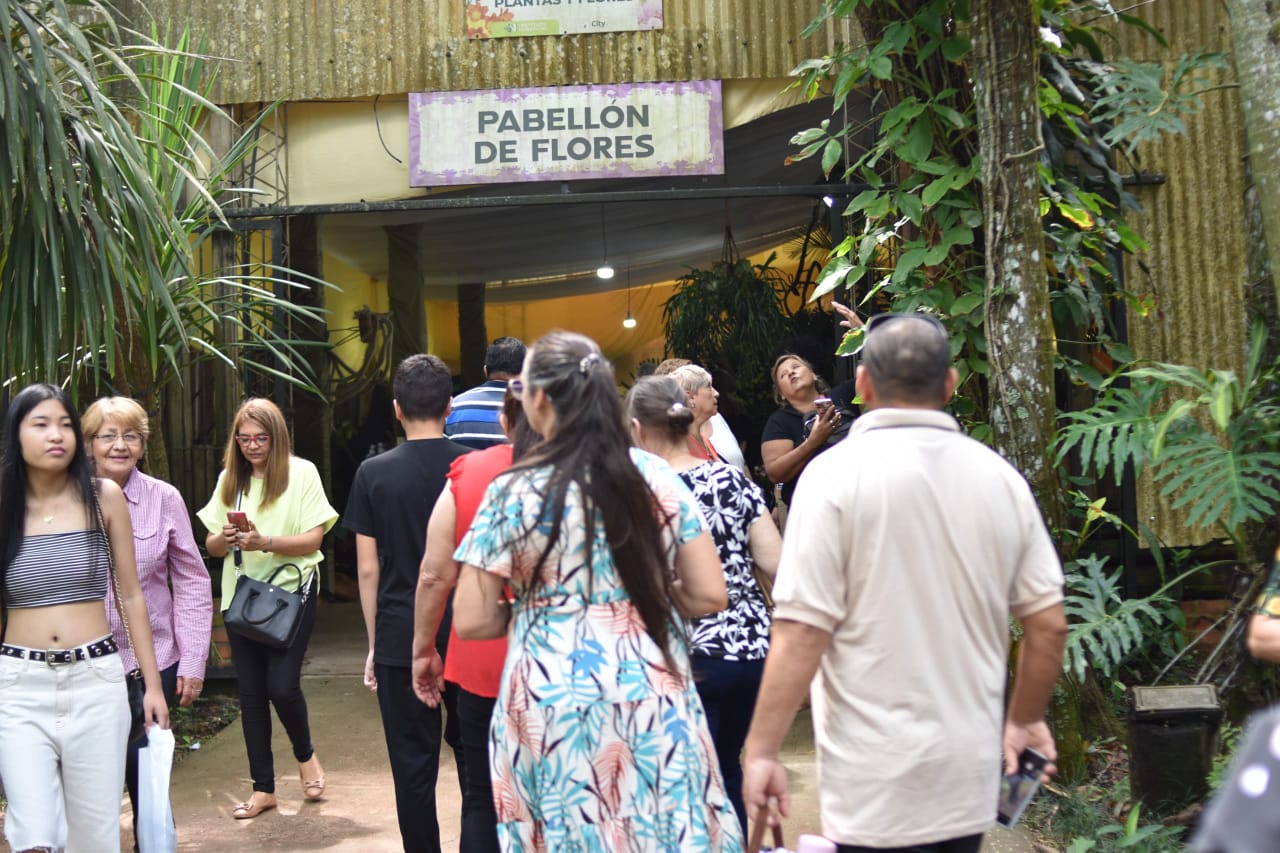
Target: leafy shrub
[[1106, 630]]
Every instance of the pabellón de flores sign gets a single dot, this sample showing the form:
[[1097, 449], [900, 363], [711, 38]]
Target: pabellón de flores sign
[[566, 132]]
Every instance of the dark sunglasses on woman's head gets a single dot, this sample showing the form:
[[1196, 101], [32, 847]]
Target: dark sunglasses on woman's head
[[881, 320]]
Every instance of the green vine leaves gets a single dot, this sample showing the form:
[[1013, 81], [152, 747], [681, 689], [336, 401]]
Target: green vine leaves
[[914, 236]]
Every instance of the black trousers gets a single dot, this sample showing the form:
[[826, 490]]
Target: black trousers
[[168, 681], [273, 676], [412, 731], [728, 692], [479, 820], [965, 844]]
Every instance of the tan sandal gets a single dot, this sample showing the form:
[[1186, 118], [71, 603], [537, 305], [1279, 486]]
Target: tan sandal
[[259, 802], [312, 788]]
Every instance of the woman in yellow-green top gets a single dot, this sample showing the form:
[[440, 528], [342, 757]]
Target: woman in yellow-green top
[[288, 515]]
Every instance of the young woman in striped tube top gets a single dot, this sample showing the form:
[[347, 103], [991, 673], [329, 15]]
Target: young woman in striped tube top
[[64, 709]]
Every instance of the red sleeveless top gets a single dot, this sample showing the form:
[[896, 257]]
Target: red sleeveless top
[[475, 665]]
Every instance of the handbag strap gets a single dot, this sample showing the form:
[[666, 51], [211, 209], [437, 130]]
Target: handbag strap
[[757, 831], [304, 582], [111, 568]]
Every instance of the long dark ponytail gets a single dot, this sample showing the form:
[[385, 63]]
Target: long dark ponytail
[[590, 449], [13, 470]]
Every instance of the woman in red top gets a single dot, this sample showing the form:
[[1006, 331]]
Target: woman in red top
[[474, 665]]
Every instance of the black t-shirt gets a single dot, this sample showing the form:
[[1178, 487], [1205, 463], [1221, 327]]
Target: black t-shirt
[[787, 424], [391, 501]]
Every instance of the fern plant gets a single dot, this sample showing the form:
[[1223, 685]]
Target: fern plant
[[1215, 450]]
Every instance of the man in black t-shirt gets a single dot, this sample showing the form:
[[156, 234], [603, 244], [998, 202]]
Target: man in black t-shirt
[[391, 501]]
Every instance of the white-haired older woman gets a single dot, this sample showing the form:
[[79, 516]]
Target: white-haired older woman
[[702, 398], [174, 580]]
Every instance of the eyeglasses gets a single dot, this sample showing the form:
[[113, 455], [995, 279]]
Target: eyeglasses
[[259, 440], [109, 438], [880, 320], [516, 386]]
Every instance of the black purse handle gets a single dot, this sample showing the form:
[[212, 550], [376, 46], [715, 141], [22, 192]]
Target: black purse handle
[[280, 568]]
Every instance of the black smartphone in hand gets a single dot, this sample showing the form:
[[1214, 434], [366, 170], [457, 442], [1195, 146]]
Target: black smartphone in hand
[[1018, 789]]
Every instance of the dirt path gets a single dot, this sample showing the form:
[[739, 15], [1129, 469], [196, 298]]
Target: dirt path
[[358, 811]]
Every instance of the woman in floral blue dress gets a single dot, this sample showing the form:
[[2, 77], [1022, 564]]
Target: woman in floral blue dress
[[598, 740]]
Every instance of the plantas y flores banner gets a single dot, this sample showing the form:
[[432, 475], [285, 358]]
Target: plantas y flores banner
[[565, 133], [502, 18]]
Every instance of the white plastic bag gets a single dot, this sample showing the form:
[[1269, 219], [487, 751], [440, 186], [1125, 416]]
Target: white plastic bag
[[156, 833]]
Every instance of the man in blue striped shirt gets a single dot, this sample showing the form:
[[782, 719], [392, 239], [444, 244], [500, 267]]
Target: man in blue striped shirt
[[473, 421]]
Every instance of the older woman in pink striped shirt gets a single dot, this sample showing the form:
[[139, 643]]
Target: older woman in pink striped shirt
[[174, 580]]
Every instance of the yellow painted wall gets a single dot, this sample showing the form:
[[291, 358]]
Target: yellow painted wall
[[599, 316], [356, 290]]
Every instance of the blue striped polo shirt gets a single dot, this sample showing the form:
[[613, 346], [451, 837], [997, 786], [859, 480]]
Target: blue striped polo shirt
[[473, 421]]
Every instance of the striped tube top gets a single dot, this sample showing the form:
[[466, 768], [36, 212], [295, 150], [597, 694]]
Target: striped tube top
[[58, 568]]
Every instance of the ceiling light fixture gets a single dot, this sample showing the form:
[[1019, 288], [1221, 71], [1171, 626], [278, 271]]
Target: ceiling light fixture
[[629, 322], [604, 271]]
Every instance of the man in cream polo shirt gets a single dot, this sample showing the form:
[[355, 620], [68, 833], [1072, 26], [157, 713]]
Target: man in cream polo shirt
[[905, 554]]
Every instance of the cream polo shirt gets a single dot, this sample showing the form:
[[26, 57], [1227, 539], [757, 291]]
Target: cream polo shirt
[[912, 544]]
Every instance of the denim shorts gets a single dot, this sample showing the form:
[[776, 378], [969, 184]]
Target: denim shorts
[[62, 747]]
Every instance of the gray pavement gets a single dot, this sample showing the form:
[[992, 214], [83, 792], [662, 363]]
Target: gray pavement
[[358, 810]]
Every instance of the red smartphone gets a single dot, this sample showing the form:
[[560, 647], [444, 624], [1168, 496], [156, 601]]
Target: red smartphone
[[239, 519]]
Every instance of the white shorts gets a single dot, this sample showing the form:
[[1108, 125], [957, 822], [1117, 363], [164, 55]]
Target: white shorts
[[62, 747]]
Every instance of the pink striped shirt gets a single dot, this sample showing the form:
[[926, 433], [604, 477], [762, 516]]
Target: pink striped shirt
[[181, 620]]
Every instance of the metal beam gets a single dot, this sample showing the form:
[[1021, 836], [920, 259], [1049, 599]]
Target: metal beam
[[450, 202]]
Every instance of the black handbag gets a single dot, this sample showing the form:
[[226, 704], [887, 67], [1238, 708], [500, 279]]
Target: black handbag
[[133, 683], [265, 612], [137, 722]]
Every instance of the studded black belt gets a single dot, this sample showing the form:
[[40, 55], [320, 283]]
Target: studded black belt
[[53, 657]]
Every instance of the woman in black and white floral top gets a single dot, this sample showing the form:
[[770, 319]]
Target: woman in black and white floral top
[[729, 647]]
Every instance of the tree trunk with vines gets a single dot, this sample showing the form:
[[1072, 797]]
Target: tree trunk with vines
[[1019, 327]]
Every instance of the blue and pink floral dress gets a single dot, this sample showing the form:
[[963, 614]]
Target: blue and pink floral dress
[[595, 745]]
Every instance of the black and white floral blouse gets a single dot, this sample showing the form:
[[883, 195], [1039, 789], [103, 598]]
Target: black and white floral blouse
[[731, 503]]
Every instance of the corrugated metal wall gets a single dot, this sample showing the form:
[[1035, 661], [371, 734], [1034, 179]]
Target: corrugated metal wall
[[1194, 223], [305, 49]]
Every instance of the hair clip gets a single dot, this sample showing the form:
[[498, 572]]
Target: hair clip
[[588, 361], [676, 408]]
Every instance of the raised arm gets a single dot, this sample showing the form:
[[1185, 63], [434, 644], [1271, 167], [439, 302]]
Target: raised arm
[[784, 459]]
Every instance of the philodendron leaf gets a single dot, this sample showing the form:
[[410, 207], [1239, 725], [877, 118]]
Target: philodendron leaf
[[1222, 402]]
